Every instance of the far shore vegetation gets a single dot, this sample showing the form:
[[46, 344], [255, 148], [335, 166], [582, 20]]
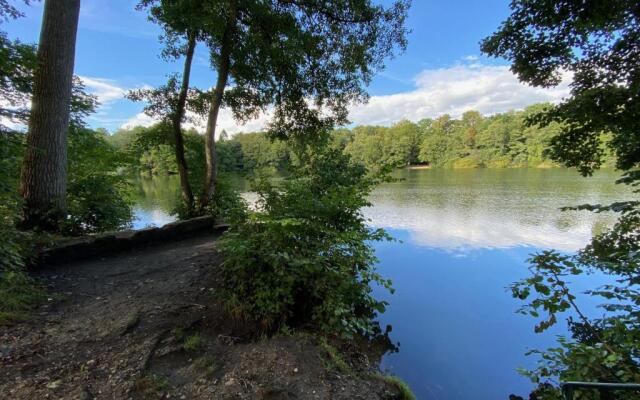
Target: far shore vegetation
[[505, 140]]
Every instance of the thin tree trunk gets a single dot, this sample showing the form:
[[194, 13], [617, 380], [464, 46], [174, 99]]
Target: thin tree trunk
[[183, 171], [214, 109], [44, 172]]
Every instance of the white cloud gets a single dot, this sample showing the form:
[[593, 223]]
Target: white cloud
[[140, 119], [443, 218], [457, 229], [106, 90], [453, 90], [225, 122]]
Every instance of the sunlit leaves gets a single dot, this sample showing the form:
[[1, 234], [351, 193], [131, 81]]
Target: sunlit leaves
[[597, 43], [304, 257]]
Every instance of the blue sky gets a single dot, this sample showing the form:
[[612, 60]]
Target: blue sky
[[441, 71]]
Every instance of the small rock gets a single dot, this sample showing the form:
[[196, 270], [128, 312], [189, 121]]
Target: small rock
[[81, 394], [54, 384], [295, 370], [6, 351]]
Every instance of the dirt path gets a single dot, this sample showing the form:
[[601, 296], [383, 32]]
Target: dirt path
[[144, 325]]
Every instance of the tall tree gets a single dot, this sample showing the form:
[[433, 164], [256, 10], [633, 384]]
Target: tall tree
[[308, 59], [44, 174], [182, 23]]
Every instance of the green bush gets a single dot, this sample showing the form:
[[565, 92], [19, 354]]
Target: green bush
[[99, 198], [192, 343], [159, 159], [227, 205], [98, 203], [304, 257], [18, 292]]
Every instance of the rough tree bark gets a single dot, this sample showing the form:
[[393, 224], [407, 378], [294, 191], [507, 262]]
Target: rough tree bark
[[44, 172], [214, 109], [176, 122]]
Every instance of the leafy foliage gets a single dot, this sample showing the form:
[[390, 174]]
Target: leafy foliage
[[17, 61], [308, 60], [597, 42], [163, 101], [284, 53], [227, 205], [150, 150], [99, 197], [603, 348], [303, 258], [18, 292]]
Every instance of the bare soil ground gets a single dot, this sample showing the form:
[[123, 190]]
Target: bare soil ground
[[145, 324]]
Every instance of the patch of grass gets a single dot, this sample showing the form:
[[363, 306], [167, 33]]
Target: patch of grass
[[19, 293], [335, 360], [178, 334], [286, 331], [212, 367], [399, 384], [150, 384], [192, 343], [208, 365]]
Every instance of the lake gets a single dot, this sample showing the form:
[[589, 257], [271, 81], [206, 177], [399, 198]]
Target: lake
[[463, 237]]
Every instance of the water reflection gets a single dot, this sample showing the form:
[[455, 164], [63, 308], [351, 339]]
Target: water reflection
[[461, 210], [156, 197], [465, 236]]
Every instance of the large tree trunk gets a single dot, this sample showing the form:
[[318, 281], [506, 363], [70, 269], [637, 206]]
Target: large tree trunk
[[214, 109], [44, 172], [187, 193]]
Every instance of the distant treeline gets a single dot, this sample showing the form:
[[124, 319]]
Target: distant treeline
[[472, 141]]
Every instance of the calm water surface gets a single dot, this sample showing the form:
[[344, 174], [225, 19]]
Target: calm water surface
[[463, 236]]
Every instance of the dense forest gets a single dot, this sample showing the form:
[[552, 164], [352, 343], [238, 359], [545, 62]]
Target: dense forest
[[503, 140]]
